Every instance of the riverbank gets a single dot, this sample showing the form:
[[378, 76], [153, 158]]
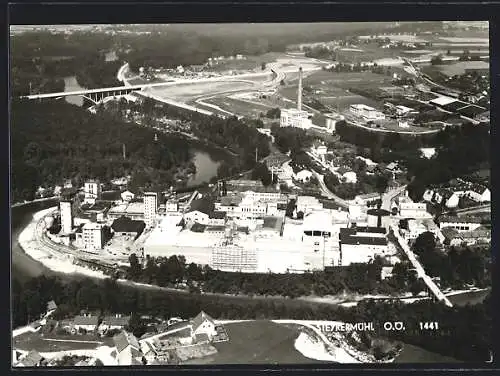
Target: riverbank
[[18, 204]]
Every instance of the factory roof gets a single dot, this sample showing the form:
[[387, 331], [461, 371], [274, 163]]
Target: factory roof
[[233, 200], [442, 100], [349, 236], [464, 219], [272, 223], [198, 227], [124, 224], [215, 228], [203, 205], [216, 214]]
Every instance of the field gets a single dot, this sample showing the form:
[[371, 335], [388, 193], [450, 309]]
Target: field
[[460, 67], [34, 341], [239, 107], [258, 342]]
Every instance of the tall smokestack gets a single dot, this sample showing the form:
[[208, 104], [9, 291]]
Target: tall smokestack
[[124, 152], [299, 93]]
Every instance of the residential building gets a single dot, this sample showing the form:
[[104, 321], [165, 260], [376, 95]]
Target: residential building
[[366, 112], [95, 212], [410, 209], [92, 191], [128, 349], [307, 204], [416, 227], [303, 176], [150, 208], [361, 244], [479, 193], [366, 198], [197, 216], [128, 227], [451, 236], [93, 236], [461, 224], [203, 323], [114, 322], [85, 322]]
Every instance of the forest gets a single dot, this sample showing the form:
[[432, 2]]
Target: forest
[[43, 59], [465, 333], [54, 140]]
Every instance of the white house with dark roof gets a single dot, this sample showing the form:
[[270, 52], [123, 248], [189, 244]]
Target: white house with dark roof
[[127, 196], [114, 322], [203, 324], [479, 193], [85, 322], [461, 224], [128, 349]]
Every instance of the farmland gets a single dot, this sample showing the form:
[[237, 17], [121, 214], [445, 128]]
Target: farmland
[[52, 342]]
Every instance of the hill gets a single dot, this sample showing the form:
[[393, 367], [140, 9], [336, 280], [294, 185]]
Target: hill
[[51, 141]]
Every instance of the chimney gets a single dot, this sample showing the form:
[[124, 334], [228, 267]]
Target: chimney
[[299, 92], [124, 152]]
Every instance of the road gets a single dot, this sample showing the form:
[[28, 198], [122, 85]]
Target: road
[[419, 268], [477, 209]]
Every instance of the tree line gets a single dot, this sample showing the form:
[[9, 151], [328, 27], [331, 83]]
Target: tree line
[[464, 333]]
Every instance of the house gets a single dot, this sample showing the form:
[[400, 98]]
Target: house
[[202, 338], [128, 350], [127, 196], [217, 218], [114, 322], [32, 359], [480, 235], [203, 323], [453, 201], [392, 167], [200, 211], [85, 322], [461, 224], [128, 227], [479, 193], [304, 176], [350, 177], [367, 197]]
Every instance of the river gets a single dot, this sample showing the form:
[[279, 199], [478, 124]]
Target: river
[[71, 84], [206, 168]]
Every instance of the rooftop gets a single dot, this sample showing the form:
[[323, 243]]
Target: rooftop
[[272, 223], [124, 224], [200, 319], [216, 214], [113, 320], [203, 205], [124, 339], [360, 235], [86, 320], [442, 100], [464, 219]]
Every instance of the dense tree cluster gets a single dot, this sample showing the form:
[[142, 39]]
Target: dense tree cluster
[[42, 59], [55, 140], [464, 333], [289, 139], [261, 172], [456, 267]]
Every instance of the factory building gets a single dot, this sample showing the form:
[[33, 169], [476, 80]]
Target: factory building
[[92, 236], [68, 206], [366, 112], [361, 244], [150, 208], [296, 117], [92, 191]]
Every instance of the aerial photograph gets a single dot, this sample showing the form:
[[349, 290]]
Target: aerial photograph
[[265, 194]]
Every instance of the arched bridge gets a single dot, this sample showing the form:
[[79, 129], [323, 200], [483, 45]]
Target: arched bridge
[[96, 95]]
